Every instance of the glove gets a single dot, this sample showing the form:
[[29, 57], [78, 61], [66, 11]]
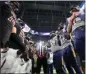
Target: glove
[[18, 52], [24, 56], [67, 36]]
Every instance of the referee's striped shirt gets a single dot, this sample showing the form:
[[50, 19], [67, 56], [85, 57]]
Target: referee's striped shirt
[[41, 50]]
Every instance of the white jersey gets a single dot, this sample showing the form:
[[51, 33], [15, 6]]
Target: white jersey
[[61, 37], [64, 41], [50, 59], [54, 44]]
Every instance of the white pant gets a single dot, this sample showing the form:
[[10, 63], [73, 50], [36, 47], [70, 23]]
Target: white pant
[[10, 57], [14, 64], [26, 68]]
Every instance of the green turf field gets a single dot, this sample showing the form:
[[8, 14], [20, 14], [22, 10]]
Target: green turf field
[[54, 72]]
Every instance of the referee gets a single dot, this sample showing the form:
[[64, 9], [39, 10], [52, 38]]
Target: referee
[[42, 60]]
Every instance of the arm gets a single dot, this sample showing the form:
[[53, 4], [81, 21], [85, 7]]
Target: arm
[[15, 39], [70, 23], [14, 30], [69, 27]]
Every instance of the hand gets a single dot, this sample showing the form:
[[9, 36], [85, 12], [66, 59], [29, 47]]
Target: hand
[[73, 16], [24, 56], [67, 36]]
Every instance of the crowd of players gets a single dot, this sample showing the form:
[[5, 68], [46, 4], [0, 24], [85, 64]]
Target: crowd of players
[[65, 49]]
